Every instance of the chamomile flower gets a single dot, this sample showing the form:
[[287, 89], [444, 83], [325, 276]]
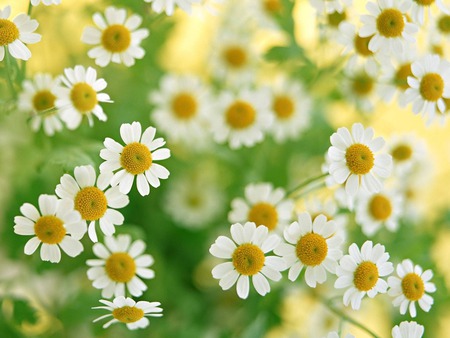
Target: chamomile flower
[[168, 6], [360, 273], [81, 96], [94, 202], [264, 12], [420, 7], [45, 2], [407, 151], [263, 205], [136, 158], [328, 208], [360, 87], [248, 251], [441, 27], [352, 159], [117, 37], [330, 6], [14, 34], [127, 311], [314, 245], [412, 285], [38, 98], [57, 226], [407, 330], [121, 264]]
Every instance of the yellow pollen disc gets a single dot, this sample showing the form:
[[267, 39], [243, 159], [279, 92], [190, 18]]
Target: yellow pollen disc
[[235, 56], [362, 45], [311, 249], [264, 214], [272, 6], [390, 23], [240, 115], [43, 100], [136, 158], [413, 287], [120, 267], [401, 76], [424, 2], [50, 229], [432, 87], [359, 159], [184, 106], [84, 97], [380, 207], [128, 314], [365, 276], [91, 203], [362, 84], [335, 18], [401, 152], [116, 38], [437, 49], [248, 259], [8, 32], [283, 107], [444, 24]]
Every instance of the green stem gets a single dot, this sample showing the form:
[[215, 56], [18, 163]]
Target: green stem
[[305, 183], [30, 7], [9, 74]]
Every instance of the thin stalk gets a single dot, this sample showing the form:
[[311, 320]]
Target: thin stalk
[[9, 74], [305, 183]]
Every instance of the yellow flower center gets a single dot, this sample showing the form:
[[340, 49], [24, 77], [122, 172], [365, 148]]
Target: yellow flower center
[[413, 286], [390, 23], [240, 115], [401, 152], [272, 6], [264, 214], [235, 56], [335, 18], [283, 107], [184, 106], [432, 87], [8, 32], [401, 76], [50, 229], [91, 203], [362, 45], [136, 158], [444, 24], [84, 97], [424, 2], [120, 267], [362, 84], [380, 207], [437, 49], [116, 38], [359, 159], [311, 249], [248, 259], [365, 276], [43, 100], [128, 314]]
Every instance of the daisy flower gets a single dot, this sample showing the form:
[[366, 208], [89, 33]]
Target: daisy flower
[[352, 159], [360, 87], [360, 273], [411, 287], [328, 208], [264, 12], [420, 7], [38, 98], [94, 202], [248, 253], [126, 310], [408, 151], [14, 34], [262, 205], [45, 2], [117, 38], [168, 6], [81, 97], [136, 158], [314, 245], [407, 330], [57, 226], [388, 26], [120, 264], [330, 6], [441, 27]]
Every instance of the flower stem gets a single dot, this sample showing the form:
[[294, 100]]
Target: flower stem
[[9, 74], [305, 184]]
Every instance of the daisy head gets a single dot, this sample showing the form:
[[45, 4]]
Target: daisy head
[[136, 158], [442, 26], [126, 310], [407, 330], [93, 200], [419, 9], [313, 245], [360, 273], [116, 37], [353, 160], [120, 264], [16, 33], [56, 225], [408, 152], [412, 285], [361, 87], [247, 251], [168, 6]]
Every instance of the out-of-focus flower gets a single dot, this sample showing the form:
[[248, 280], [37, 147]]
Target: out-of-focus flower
[[419, 9], [45, 2], [330, 6], [408, 152], [169, 5], [360, 87], [407, 330]]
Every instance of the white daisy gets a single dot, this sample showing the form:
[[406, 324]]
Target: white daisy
[[328, 208], [407, 330], [95, 203], [126, 310], [57, 225], [81, 97], [168, 6], [330, 6], [247, 252], [120, 264], [330, 22], [360, 273], [262, 205], [411, 287], [408, 151], [352, 159], [117, 38], [420, 7], [38, 98], [136, 158], [388, 26], [360, 87], [14, 34], [440, 28], [45, 2], [313, 245]]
